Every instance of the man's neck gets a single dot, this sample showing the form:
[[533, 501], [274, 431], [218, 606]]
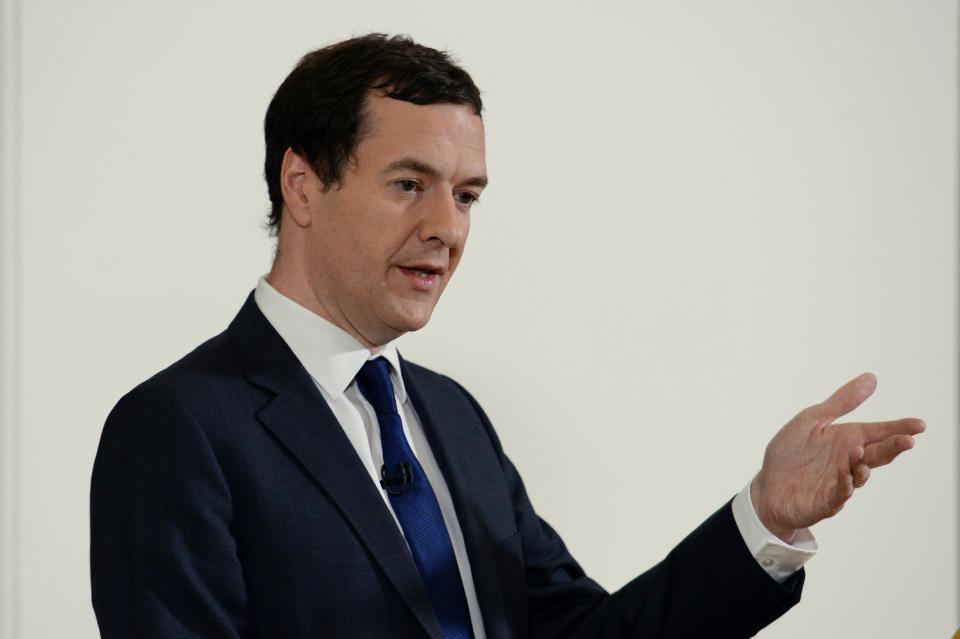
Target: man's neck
[[297, 289]]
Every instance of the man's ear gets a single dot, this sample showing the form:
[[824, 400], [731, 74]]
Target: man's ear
[[297, 185]]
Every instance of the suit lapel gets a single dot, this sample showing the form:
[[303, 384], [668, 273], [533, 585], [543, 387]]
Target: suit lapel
[[480, 512], [301, 420]]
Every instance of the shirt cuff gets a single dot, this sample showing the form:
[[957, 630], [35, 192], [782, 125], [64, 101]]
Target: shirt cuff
[[778, 558]]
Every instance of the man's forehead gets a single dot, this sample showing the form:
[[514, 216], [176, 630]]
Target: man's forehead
[[400, 132]]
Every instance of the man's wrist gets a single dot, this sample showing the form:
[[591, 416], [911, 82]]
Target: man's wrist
[[785, 535], [777, 558]]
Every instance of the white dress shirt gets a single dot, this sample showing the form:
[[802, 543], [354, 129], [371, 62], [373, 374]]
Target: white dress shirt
[[333, 357]]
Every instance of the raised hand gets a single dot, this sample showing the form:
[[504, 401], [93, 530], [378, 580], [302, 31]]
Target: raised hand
[[811, 467]]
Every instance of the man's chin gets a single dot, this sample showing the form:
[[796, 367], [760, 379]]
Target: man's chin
[[409, 322]]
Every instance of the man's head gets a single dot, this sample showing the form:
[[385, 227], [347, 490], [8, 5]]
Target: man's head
[[320, 109], [375, 210]]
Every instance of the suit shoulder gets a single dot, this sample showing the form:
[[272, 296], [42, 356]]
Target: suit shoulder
[[214, 359], [188, 387]]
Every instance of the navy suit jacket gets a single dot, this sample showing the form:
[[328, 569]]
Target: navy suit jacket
[[226, 501]]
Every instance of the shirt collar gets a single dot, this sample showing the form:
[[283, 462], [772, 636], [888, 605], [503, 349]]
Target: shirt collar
[[331, 355]]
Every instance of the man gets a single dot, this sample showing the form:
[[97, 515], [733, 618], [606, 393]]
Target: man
[[294, 477]]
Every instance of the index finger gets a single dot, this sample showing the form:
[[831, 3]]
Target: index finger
[[879, 431], [845, 398]]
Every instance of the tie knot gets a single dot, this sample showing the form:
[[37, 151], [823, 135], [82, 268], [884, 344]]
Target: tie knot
[[373, 379]]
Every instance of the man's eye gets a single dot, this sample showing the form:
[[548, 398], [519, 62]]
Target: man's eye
[[466, 198], [406, 186]]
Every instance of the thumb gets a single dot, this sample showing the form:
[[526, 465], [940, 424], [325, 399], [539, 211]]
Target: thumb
[[846, 398]]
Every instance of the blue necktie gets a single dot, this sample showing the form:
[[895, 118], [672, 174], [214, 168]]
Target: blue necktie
[[416, 505]]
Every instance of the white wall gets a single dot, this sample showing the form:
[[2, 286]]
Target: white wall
[[702, 217]]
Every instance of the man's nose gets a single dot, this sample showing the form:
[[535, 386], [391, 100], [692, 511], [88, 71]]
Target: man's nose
[[444, 221]]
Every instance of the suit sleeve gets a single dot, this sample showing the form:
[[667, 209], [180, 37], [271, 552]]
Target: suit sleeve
[[163, 560], [707, 586]]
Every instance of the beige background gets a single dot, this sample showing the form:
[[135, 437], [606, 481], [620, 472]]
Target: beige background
[[702, 217]]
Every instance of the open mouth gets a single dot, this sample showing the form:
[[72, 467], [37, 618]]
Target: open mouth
[[422, 273]]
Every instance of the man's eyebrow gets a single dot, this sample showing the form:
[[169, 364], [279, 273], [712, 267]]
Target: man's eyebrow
[[478, 181], [417, 166]]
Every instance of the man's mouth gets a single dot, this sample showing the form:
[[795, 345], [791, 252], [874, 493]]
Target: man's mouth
[[424, 277], [423, 269], [419, 272]]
